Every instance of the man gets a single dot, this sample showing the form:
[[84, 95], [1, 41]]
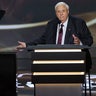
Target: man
[[74, 29]]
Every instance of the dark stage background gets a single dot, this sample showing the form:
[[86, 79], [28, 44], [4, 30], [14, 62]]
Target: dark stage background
[[25, 20], [34, 11]]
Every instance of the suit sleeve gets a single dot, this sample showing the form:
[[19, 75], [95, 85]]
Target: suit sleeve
[[84, 34]]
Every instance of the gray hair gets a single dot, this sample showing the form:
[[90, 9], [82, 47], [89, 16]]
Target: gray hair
[[62, 3]]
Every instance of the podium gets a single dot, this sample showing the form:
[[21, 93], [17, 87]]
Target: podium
[[58, 70], [8, 74]]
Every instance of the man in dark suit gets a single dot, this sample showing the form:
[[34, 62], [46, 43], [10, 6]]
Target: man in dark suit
[[74, 29]]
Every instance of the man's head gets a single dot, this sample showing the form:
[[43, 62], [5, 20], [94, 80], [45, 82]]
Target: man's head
[[62, 11]]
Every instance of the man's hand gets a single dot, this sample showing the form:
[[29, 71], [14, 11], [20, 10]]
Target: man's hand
[[76, 40], [21, 45]]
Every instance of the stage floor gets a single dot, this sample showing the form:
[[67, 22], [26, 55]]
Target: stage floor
[[26, 88]]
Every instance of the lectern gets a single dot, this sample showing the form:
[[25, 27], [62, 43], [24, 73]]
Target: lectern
[[59, 68], [7, 74]]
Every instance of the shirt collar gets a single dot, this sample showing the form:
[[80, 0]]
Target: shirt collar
[[65, 23]]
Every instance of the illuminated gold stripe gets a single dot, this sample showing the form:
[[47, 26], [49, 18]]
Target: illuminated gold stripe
[[65, 85], [57, 50], [57, 61], [91, 22], [31, 25], [22, 26], [58, 73]]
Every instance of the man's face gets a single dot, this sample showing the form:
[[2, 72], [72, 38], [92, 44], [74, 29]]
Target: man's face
[[62, 13]]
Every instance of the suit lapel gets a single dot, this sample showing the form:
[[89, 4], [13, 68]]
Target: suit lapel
[[54, 31], [69, 31]]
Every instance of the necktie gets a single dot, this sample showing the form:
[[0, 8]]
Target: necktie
[[60, 34]]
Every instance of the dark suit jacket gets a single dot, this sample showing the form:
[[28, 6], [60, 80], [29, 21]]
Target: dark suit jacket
[[75, 26]]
